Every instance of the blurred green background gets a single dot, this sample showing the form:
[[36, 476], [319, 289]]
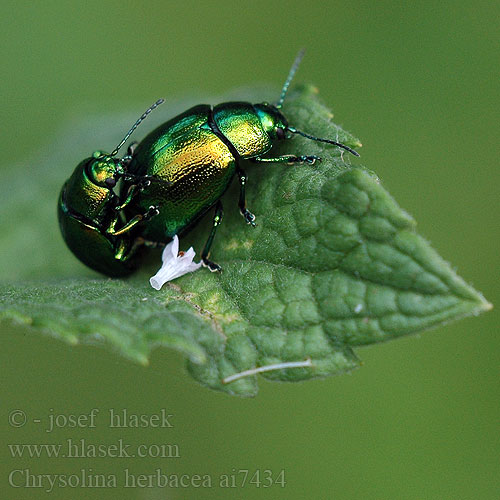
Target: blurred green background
[[418, 83]]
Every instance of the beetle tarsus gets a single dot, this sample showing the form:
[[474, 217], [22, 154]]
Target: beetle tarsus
[[212, 266], [130, 153], [132, 147], [152, 211], [219, 213], [249, 217], [312, 159], [143, 184], [309, 159]]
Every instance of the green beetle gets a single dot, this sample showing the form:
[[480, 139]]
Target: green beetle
[[91, 216], [194, 157], [168, 181]]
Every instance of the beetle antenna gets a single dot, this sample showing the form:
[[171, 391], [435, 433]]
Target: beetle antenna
[[136, 124], [319, 139], [293, 70]]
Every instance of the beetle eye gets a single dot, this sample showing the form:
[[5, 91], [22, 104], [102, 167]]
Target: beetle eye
[[280, 133], [110, 182]]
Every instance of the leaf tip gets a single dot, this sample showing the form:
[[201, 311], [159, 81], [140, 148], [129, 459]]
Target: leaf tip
[[485, 306], [142, 359]]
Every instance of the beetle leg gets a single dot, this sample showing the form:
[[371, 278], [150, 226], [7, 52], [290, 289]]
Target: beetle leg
[[288, 159], [132, 191], [132, 147], [130, 152], [121, 252], [219, 213], [154, 244], [249, 217], [152, 211]]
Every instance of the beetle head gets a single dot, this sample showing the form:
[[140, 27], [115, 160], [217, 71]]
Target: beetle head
[[104, 170], [272, 120]]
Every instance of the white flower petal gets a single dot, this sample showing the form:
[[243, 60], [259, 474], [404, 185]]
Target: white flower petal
[[174, 265], [171, 250], [189, 254]]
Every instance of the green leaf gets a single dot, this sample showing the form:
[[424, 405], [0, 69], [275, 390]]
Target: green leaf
[[333, 264]]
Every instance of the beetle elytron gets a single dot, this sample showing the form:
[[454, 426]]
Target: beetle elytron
[[169, 180]]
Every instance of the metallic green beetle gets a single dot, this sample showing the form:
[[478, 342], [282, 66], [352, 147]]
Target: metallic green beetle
[[194, 157], [91, 214], [168, 181]]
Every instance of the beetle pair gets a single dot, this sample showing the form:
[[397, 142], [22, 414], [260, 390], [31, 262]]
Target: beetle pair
[[111, 207]]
